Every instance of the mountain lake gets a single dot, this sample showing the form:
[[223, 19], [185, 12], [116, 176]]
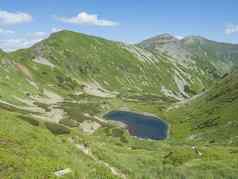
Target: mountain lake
[[140, 125]]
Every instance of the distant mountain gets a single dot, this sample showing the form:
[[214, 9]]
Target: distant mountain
[[222, 56], [214, 58], [162, 39]]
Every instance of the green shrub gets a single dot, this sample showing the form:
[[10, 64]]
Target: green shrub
[[57, 128], [116, 132], [42, 105], [124, 139], [188, 90], [69, 122], [30, 120]]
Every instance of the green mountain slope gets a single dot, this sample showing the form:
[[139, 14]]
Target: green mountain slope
[[69, 61], [165, 67], [121, 69], [210, 117]]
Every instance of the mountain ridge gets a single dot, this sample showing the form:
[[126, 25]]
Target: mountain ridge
[[174, 77], [62, 41]]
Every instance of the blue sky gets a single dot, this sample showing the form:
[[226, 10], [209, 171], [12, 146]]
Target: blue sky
[[25, 22]]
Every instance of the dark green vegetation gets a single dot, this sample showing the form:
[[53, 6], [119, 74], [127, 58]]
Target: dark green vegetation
[[57, 129], [93, 76]]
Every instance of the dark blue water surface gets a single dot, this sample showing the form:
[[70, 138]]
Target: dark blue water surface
[[140, 125]]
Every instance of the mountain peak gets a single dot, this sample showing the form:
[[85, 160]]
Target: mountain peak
[[63, 32], [162, 38], [159, 40], [72, 35], [165, 36]]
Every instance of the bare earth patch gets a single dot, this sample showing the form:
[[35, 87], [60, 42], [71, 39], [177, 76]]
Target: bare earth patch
[[95, 89], [89, 127]]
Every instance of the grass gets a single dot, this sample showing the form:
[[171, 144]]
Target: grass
[[153, 159], [214, 114], [27, 151], [150, 159], [36, 149], [30, 120]]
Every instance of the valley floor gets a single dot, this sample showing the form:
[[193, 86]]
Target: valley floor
[[32, 147]]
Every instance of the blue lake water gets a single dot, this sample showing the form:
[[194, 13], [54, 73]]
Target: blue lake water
[[140, 125]]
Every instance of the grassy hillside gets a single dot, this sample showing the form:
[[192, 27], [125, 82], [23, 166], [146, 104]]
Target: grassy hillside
[[31, 149], [67, 62], [210, 118], [127, 70], [14, 80]]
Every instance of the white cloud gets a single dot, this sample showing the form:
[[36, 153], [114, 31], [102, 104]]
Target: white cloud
[[39, 34], [56, 29], [4, 31], [230, 29], [24, 41], [17, 43], [84, 18], [12, 18], [179, 37]]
